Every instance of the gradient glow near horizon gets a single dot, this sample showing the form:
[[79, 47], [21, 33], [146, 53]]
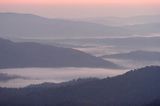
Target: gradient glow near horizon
[[80, 2], [71, 8]]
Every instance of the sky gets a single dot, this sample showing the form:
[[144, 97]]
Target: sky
[[81, 8]]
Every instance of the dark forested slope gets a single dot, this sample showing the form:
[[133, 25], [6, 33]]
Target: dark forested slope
[[137, 87]]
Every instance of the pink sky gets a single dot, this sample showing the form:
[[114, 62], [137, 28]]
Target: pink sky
[[82, 2], [81, 8]]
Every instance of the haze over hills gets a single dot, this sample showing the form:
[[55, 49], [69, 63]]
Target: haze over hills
[[138, 87], [123, 21], [134, 43], [79, 53], [135, 59], [19, 55], [148, 28], [136, 55], [4, 77], [28, 25]]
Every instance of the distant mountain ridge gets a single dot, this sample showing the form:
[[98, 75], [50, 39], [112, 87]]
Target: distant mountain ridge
[[27, 54], [147, 28], [136, 55], [138, 87], [123, 21], [28, 25]]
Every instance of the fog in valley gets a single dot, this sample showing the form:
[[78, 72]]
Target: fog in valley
[[85, 61]]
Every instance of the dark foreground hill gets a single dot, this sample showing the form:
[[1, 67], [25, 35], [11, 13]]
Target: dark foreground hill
[[134, 88], [17, 55]]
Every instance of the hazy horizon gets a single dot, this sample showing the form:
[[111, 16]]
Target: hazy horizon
[[79, 52], [82, 8]]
